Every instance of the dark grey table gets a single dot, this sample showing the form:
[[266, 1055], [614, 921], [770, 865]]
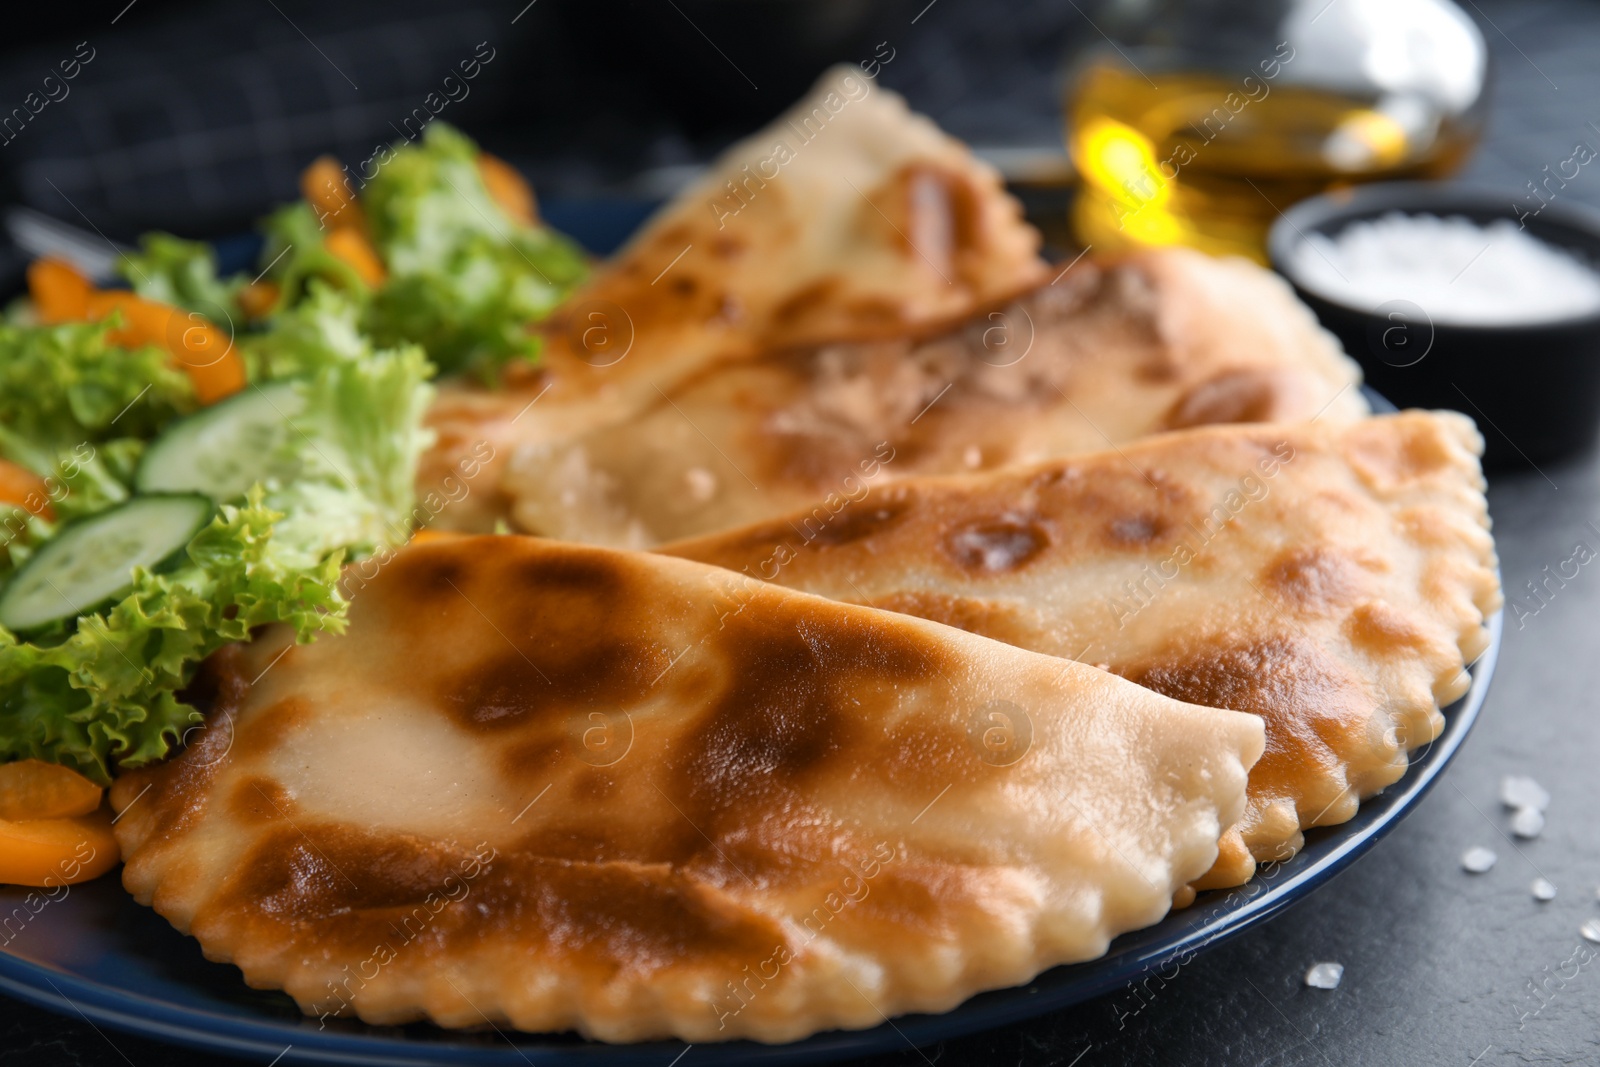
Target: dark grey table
[[1442, 968]]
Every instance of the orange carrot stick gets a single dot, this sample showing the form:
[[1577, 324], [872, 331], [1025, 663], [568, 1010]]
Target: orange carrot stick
[[258, 298], [51, 852], [426, 536], [352, 247], [34, 789], [326, 188], [508, 188], [202, 351], [59, 292], [20, 486]]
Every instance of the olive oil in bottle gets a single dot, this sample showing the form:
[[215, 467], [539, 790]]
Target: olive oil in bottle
[[1179, 150]]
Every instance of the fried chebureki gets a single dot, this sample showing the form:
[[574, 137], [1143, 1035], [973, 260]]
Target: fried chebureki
[[557, 786], [1333, 579], [848, 218], [1111, 352]]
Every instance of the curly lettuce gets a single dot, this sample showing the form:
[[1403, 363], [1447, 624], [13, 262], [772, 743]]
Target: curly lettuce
[[75, 411], [295, 256], [63, 385], [104, 690], [183, 273], [465, 279], [322, 329], [355, 445], [106, 694], [463, 282]]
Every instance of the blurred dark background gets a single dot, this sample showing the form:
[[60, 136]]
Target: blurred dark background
[[196, 117]]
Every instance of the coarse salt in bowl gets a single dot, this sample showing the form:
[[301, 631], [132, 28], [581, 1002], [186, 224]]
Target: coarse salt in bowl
[[1457, 271], [1451, 297]]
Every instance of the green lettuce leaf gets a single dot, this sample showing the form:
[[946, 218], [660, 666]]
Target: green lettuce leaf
[[184, 274], [80, 481], [106, 694], [74, 410], [63, 385], [295, 256], [104, 691], [356, 445], [322, 329], [465, 279]]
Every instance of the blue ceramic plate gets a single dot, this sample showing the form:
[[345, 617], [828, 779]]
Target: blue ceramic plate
[[95, 953]]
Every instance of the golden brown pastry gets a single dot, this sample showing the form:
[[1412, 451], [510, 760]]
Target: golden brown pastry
[[849, 217], [1162, 340], [1333, 579], [553, 786]]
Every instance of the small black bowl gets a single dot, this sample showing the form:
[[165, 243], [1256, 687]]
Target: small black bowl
[[1534, 388]]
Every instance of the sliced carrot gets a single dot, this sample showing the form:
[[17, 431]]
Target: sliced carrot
[[59, 292], [353, 248], [51, 852], [426, 536], [508, 188], [206, 355], [144, 322], [202, 351], [326, 188], [20, 486], [258, 298], [34, 789]]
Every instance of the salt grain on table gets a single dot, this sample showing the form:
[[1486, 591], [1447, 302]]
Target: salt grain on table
[[1478, 859], [1456, 271], [1325, 975], [1527, 822], [1520, 791]]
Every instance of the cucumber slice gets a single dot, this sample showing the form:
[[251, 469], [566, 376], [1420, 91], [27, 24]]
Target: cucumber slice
[[91, 561], [224, 449]]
